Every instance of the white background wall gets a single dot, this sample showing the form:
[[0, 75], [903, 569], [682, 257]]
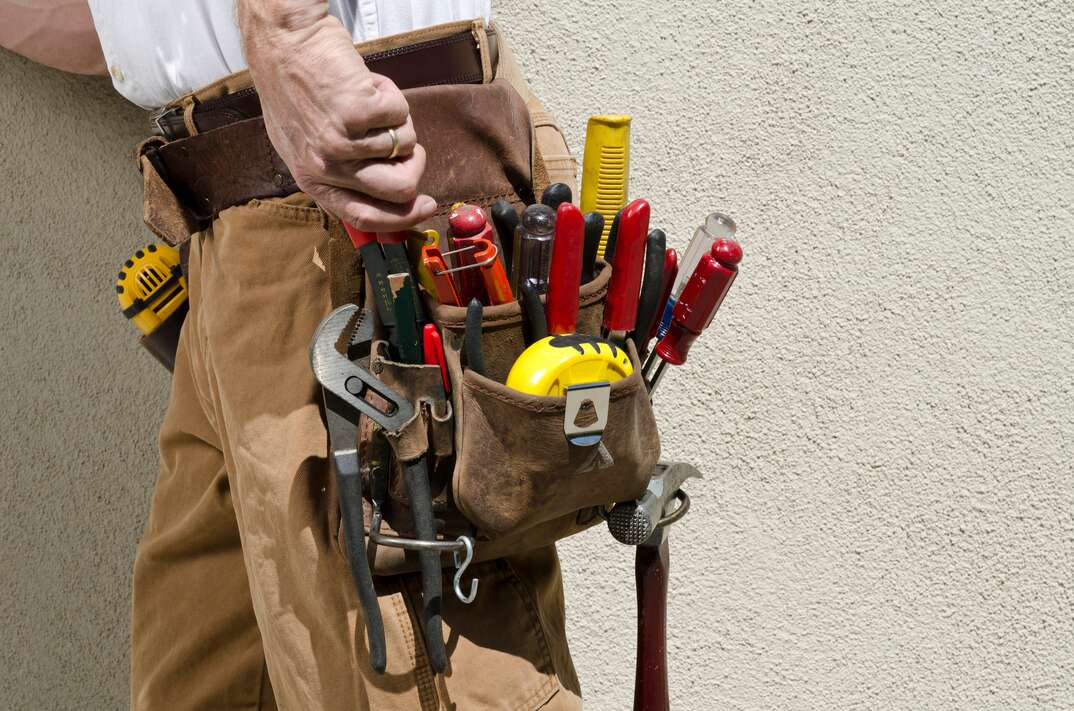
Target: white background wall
[[882, 408]]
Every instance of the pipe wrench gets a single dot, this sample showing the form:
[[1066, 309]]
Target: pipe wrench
[[344, 384]]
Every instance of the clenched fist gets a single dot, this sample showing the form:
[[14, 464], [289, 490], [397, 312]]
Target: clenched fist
[[344, 132]]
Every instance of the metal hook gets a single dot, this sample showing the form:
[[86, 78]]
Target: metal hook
[[461, 568]]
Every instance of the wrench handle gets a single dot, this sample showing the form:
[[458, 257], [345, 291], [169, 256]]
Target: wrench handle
[[651, 672], [349, 484], [421, 507]]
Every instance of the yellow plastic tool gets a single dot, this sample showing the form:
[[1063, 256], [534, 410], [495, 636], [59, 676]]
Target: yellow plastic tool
[[151, 286], [606, 169], [414, 242], [552, 364]]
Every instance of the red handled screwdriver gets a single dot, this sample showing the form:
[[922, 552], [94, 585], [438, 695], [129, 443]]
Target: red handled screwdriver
[[621, 305], [564, 274], [467, 224], [695, 307]]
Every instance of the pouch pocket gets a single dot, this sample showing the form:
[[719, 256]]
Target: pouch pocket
[[428, 434], [516, 469]]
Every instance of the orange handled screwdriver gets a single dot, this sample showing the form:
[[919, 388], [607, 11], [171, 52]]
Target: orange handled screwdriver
[[493, 275], [621, 306], [433, 260], [564, 274]]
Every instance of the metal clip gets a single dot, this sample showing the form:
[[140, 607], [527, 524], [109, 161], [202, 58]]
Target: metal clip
[[598, 394], [461, 568], [473, 265]]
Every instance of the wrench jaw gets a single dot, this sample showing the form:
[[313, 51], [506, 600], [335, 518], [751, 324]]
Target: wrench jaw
[[349, 381]]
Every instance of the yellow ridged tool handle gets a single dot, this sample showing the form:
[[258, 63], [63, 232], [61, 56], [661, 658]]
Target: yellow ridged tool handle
[[606, 169]]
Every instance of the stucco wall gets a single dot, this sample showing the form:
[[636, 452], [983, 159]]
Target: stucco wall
[[882, 408]]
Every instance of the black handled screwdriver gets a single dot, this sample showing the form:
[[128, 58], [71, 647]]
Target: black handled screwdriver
[[505, 219], [649, 306], [613, 236], [594, 228], [555, 195]]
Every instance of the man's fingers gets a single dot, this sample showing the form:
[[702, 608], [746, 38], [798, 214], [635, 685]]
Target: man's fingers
[[386, 108], [373, 215], [392, 181], [378, 142]]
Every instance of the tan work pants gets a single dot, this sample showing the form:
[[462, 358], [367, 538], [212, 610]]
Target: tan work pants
[[242, 597]]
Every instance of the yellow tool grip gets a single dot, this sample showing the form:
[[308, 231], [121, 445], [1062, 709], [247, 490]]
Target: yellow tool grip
[[606, 169], [151, 286], [552, 364]]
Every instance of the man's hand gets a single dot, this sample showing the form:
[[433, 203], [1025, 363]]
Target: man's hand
[[328, 116]]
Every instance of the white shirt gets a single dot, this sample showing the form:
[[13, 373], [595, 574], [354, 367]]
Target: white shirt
[[159, 50]]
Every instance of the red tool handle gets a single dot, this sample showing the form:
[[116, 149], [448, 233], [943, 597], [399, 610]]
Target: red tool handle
[[434, 353], [651, 672], [359, 238], [698, 302], [565, 273], [466, 220], [466, 226], [621, 304]]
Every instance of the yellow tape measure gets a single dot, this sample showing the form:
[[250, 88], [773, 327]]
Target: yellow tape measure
[[151, 286], [552, 364]]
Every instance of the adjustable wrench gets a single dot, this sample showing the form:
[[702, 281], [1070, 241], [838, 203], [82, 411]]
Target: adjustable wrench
[[345, 384]]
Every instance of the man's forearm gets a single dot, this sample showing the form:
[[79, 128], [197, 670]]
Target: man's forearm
[[57, 33], [264, 19]]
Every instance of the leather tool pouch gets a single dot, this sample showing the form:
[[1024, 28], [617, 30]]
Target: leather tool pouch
[[501, 467]]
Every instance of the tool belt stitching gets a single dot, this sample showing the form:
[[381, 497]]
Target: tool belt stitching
[[446, 205], [428, 44]]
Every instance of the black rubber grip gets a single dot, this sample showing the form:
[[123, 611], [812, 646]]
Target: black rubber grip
[[594, 227], [349, 484], [505, 219], [555, 195], [534, 324], [475, 355], [651, 288], [613, 235], [421, 507]]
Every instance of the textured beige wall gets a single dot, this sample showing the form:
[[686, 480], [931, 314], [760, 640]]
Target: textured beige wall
[[882, 409]]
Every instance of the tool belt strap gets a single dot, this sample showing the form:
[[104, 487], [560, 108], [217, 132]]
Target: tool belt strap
[[231, 161]]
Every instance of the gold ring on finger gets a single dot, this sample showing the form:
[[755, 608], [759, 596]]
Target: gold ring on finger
[[395, 143]]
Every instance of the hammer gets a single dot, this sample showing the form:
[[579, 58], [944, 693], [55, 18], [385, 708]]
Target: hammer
[[645, 523]]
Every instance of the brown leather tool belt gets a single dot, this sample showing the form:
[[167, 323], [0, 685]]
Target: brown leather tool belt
[[231, 161]]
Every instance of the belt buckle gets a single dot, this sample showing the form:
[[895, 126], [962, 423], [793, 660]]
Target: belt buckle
[[157, 119]]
